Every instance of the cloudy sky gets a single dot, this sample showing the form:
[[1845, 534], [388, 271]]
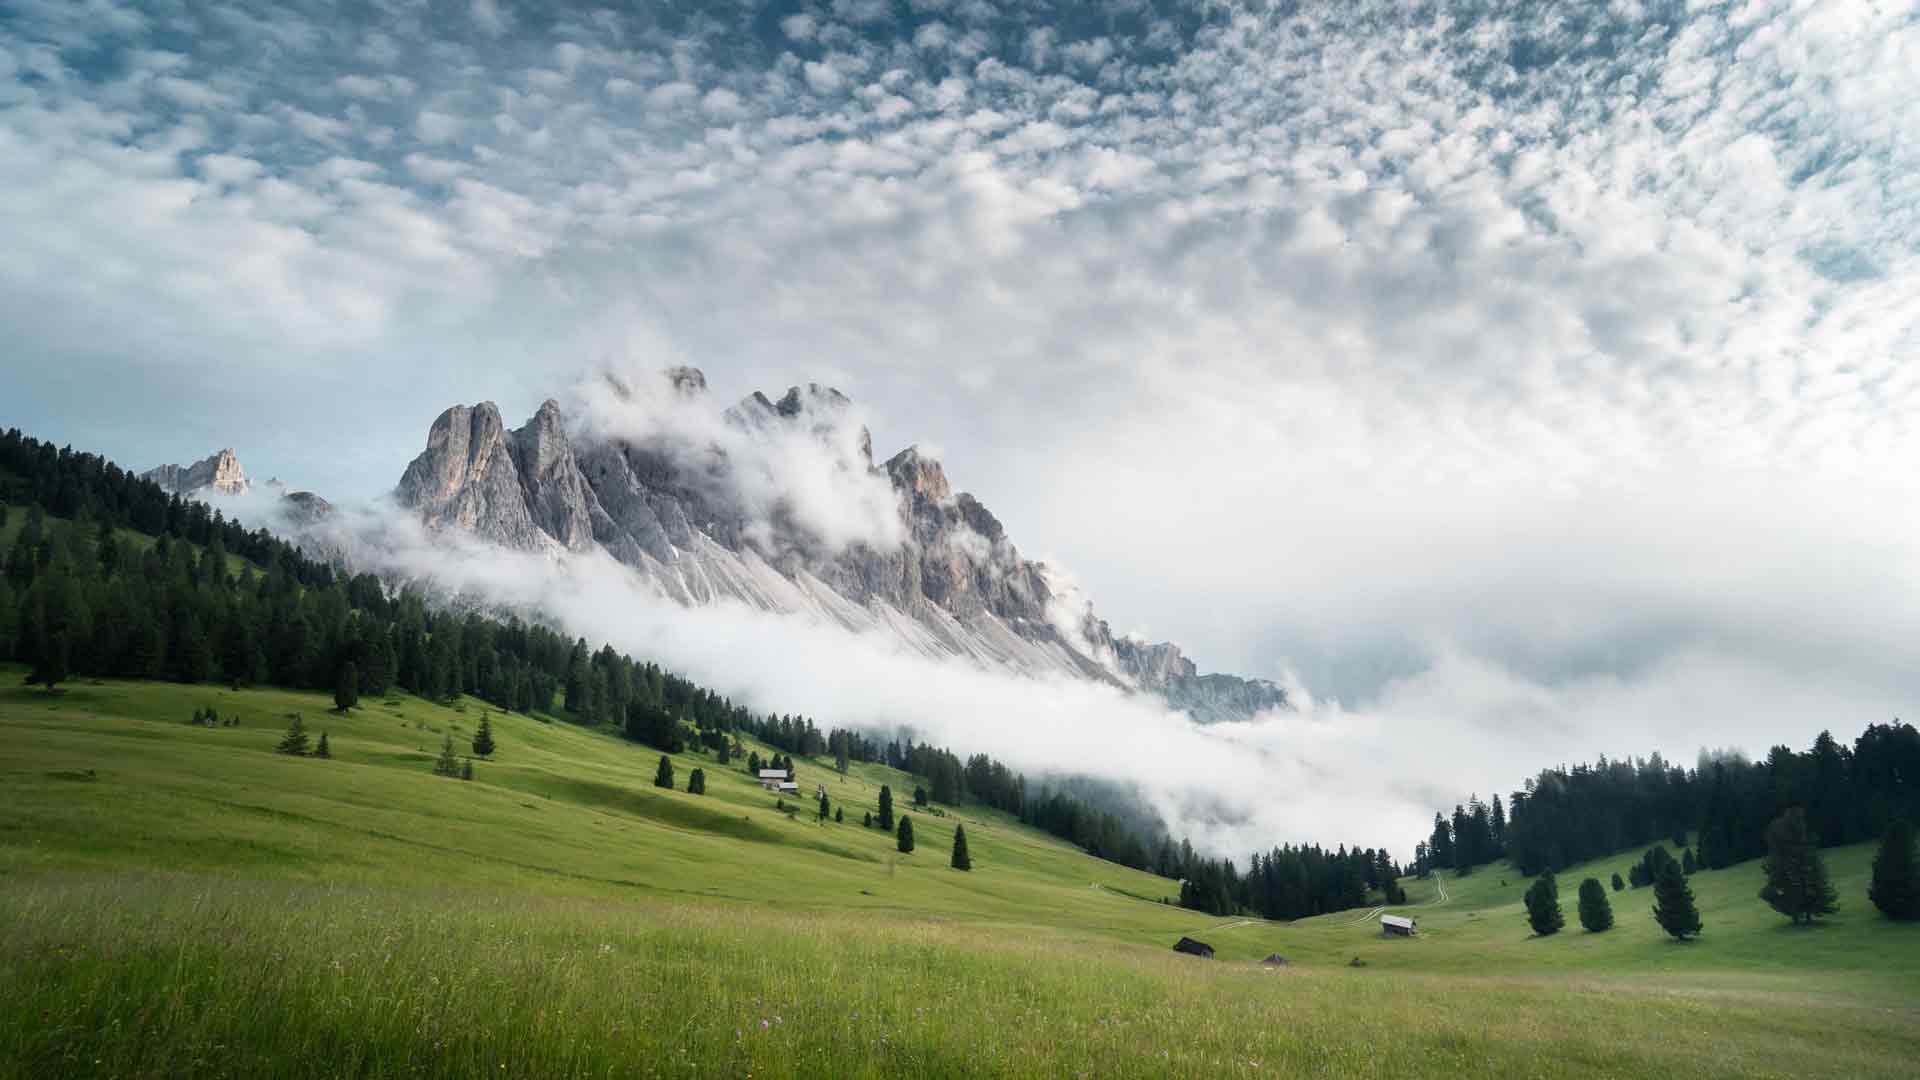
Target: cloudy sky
[[1480, 366]]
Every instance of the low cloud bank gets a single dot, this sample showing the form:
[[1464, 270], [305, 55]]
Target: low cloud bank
[[1324, 773]]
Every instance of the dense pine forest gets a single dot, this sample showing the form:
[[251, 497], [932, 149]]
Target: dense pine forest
[[1724, 804], [108, 575]]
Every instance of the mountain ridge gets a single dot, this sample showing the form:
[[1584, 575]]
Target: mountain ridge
[[944, 579]]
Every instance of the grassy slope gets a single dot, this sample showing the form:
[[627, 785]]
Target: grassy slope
[[200, 899]]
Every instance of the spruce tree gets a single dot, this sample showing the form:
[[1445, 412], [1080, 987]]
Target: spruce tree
[[663, 776], [866, 820], [446, 764], [346, 687], [1797, 884], [466, 769], [1543, 905], [1596, 913], [919, 795], [1673, 906], [1687, 865], [1618, 885], [1896, 874], [904, 837], [960, 860], [697, 782], [321, 750], [839, 814], [295, 740], [483, 738], [886, 807]]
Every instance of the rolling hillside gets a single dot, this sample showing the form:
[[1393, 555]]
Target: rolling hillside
[[187, 901]]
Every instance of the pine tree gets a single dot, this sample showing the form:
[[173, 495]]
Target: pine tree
[[1896, 874], [295, 740], [1596, 913], [886, 807], [960, 860], [483, 738], [1797, 884], [823, 804], [663, 776], [1543, 905], [446, 764], [1687, 865], [321, 750], [1618, 885], [346, 688], [839, 814], [866, 820], [919, 796], [697, 782], [466, 769], [1673, 906], [904, 837]]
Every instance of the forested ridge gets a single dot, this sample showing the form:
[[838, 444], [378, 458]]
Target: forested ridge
[[1723, 805], [79, 596]]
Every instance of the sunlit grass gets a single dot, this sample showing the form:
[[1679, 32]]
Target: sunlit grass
[[182, 901]]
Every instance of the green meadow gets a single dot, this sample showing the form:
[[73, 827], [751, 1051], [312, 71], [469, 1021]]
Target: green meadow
[[181, 901]]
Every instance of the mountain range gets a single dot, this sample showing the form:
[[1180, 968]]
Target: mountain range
[[690, 516]]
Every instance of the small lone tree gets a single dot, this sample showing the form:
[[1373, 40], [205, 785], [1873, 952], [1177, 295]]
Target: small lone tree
[[446, 764], [839, 814], [1896, 874], [919, 795], [295, 740], [825, 808], [866, 820], [321, 749], [466, 769], [904, 837], [1797, 884], [663, 776], [1543, 905], [346, 687], [1673, 906], [1596, 913], [886, 807], [1618, 885], [697, 782], [483, 738], [960, 860]]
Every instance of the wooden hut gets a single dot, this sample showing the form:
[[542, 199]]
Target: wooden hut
[[1194, 948]]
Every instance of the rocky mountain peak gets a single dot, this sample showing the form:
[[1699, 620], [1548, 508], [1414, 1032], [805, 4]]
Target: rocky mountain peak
[[919, 476], [689, 382], [219, 472], [954, 585]]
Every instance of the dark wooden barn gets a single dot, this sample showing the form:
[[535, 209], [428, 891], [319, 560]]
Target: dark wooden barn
[[1193, 948]]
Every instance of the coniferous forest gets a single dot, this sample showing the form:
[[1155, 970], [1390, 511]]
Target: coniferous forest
[[1722, 806], [108, 575]]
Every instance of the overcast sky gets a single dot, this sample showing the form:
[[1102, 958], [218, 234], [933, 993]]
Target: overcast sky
[[1481, 367]]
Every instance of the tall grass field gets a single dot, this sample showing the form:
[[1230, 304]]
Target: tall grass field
[[178, 900]]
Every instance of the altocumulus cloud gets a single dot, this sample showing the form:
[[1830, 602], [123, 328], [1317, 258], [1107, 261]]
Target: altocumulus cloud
[[1528, 376]]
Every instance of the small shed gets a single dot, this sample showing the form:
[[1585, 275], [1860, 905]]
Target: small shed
[[1194, 948], [1397, 925], [789, 787], [772, 779]]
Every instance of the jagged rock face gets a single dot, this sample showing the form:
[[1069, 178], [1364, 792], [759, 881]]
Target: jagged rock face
[[305, 508], [219, 473], [954, 585], [467, 479]]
